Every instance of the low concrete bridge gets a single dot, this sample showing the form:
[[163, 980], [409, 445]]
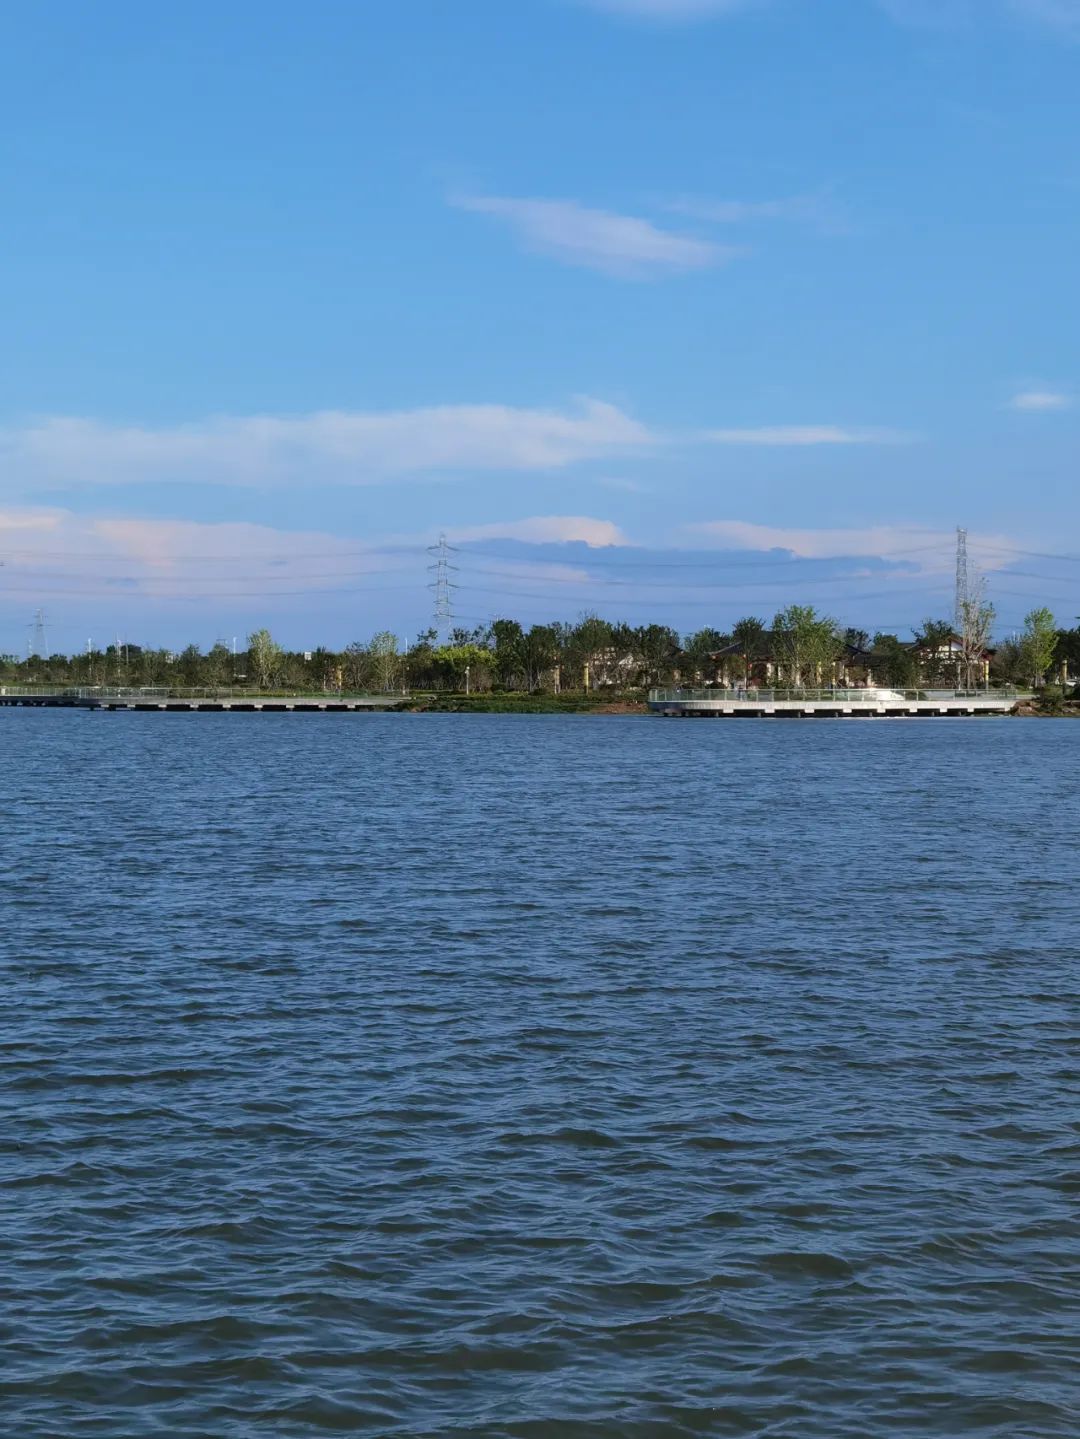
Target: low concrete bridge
[[200, 701], [825, 704]]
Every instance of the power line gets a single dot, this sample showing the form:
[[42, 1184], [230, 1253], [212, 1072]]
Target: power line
[[221, 555], [596, 577], [598, 555], [599, 566]]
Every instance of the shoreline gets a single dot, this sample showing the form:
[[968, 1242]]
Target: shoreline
[[662, 706]]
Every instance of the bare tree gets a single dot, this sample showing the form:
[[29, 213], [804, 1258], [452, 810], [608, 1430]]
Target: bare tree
[[976, 625]]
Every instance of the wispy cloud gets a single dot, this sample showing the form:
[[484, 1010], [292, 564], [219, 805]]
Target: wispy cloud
[[811, 210], [625, 246], [916, 548], [1041, 400], [546, 530], [929, 14], [622, 484], [62, 552], [1061, 14], [805, 435], [669, 9], [330, 447], [37, 522], [356, 448], [59, 551]]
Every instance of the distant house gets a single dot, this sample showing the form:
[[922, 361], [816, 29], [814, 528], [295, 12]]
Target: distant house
[[946, 662], [852, 666], [729, 667], [606, 668]]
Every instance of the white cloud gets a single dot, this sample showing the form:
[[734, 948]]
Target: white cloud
[[61, 552], [814, 210], [548, 529], [343, 448], [331, 447], [621, 245], [933, 14], [71, 556], [166, 545], [804, 435], [1041, 400], [925, 550], [1062, 14], [623, 485], [13, 521], [881, 542]]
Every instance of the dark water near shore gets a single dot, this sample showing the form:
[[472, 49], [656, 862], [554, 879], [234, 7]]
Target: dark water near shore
[[485, 1076]]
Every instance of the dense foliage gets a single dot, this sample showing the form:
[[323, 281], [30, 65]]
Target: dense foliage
[[800, 647]]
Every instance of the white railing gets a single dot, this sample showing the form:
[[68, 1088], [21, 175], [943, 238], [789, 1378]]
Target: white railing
[[183, 692], [822, 696]]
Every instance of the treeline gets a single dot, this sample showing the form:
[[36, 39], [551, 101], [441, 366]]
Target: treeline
[[800, 646]]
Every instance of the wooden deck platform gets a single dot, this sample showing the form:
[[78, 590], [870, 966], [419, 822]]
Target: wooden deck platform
[[827, 704], [158, 702]]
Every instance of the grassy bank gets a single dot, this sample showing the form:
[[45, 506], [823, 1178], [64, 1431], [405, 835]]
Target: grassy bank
[[525, 704]]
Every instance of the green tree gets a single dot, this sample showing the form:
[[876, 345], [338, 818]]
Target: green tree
[[1008, 663], [355, 665], [657, 648], [189, 664], [934, 640], [455, 665], [624, 665], [934, 634], [589, 644], [459, 636], [1038, 644], [217, 668], [418, 664], [509, 644], [749, 636], [539, 655], [384, 661], [1068, 649], [698, 650], [805, 645], [896, 662], [264, 658]]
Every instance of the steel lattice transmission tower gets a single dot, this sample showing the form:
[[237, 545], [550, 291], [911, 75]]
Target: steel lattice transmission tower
[[37, 645], [963, 581], [442, 586]]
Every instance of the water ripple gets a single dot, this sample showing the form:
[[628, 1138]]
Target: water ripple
[[538, 1078]]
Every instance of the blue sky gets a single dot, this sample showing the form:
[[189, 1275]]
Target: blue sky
[[659, 308]]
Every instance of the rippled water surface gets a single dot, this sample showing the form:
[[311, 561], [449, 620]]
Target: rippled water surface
[[538, 1076]]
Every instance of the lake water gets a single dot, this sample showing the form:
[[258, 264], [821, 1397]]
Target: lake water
[[540, 1076]]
